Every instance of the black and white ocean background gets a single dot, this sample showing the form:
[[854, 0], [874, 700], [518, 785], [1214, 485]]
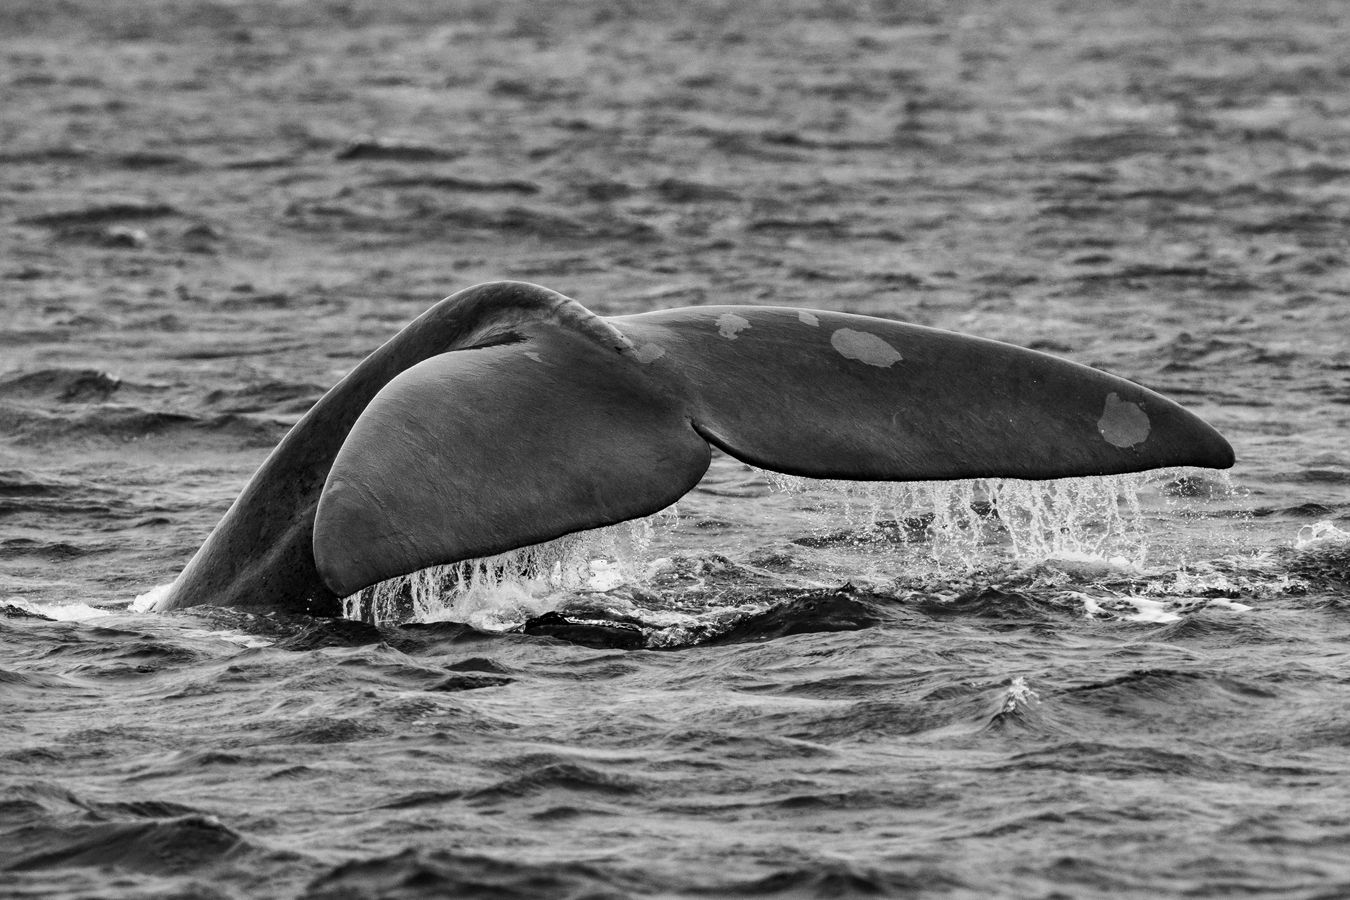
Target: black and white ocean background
[[1128, 687]]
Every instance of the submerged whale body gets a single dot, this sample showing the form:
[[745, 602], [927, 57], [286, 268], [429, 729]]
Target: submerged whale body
[[509, 414]]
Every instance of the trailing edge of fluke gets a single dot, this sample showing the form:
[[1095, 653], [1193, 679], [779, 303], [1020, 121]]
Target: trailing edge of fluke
[[509, 414]]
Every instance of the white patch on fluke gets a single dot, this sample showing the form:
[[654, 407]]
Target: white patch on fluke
[[534, 356], [729, 325], [865, 347], [1123, 423], [649, 353], [808, 318]]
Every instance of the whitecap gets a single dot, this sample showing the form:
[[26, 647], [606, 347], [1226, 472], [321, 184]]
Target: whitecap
[[61, 612], [1319, 535], [1019, 695]]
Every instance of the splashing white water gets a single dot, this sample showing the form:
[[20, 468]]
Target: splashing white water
[[1082, 526], [146, 602], [1098, 518], [1320, 535], [499, 593]]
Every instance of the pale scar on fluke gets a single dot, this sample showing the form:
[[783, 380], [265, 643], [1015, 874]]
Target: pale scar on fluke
[[509, 414], [1123, 423], [729, 325], [865, 347]]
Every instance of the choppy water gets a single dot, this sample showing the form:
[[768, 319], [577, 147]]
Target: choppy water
[[1127, 687], [800, 692]]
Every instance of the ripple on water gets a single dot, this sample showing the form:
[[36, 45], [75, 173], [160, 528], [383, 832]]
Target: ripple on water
[[446, 873]]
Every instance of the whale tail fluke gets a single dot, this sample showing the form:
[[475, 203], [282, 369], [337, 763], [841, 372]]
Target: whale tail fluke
[[573, 423]]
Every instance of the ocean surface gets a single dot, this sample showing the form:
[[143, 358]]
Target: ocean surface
[[1135, 686]]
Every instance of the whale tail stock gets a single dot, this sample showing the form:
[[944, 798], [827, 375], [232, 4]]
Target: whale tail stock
[[509, 415]]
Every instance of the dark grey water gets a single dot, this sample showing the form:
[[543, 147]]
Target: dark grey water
[[1135, 687], [1126, 686]]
